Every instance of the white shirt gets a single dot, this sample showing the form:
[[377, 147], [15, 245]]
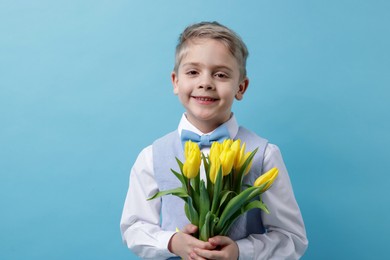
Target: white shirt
[[285, 237]]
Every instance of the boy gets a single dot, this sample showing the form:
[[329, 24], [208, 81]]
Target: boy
[[209, 74]]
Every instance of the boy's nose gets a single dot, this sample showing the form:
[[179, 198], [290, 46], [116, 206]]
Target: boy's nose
[[206, 82]]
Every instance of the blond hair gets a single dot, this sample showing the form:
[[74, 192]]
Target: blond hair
[[215, 31]]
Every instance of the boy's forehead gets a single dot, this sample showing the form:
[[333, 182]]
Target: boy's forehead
[[196, 49]]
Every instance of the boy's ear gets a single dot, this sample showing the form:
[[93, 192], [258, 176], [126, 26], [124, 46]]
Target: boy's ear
[[242, 88], [175, 79]]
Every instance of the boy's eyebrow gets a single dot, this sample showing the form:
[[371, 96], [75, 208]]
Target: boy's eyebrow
[[196, 64]]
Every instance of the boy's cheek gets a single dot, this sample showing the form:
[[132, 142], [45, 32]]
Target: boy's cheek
[[175, 89]]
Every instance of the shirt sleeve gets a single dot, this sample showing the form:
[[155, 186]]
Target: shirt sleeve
[[285, 236], [140, 222]]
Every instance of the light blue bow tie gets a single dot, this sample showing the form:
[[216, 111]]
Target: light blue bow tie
[[219, 134]]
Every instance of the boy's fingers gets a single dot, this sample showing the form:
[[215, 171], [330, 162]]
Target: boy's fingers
[[201, 254], [189, 229], [206, 254], [203, 245], [220, 240], [194, 256]]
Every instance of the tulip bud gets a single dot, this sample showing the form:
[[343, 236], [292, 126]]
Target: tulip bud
[[240, 157], [227, 143], [215, 149], [236, 149], [215, 165], [193, 160], [267, 178], [227, 161], [189, 146]]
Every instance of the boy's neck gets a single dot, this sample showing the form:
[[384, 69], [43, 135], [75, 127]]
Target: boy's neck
[[206, 126]]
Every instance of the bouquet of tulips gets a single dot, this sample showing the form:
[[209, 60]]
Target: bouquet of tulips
[[215, 203]]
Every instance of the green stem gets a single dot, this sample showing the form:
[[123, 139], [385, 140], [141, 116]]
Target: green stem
[[217, 190]]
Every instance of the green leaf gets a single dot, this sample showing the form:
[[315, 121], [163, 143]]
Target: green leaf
[[187, 211], [251, 205], [191, 212], [205, 228], [217, 190], [204, 206], [256, 204], [224, 197], [240, 173], [194, 194], [228, 224], [195, 182], [213, 222], [180, 177], [180, 164], [226, 180], [206, 163], [179, 192], [236, 203]]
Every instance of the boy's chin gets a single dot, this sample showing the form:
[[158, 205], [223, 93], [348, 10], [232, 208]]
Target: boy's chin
[[207, 119]]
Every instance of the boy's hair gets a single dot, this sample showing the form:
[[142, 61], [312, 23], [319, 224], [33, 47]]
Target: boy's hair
[[216, 31]]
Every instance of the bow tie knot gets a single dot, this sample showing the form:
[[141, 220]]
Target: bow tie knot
[[219, 134]]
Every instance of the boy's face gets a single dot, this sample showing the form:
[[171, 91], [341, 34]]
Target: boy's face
[[207, 81]]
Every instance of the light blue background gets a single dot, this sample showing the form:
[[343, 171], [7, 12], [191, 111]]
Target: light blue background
[[85, 85]]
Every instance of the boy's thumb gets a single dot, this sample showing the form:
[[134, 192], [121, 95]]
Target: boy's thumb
[[189, 229]]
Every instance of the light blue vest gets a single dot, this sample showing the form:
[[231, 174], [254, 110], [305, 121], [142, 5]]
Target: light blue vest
[[168, 147]]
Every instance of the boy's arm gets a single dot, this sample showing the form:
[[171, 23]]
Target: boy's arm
[[140, 220], [285, 237]]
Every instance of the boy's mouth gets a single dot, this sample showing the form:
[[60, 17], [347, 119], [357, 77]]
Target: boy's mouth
[[204, 99]]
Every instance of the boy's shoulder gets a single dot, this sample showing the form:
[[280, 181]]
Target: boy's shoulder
[[243, 131]]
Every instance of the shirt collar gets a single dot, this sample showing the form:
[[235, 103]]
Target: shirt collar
[[231, 125]]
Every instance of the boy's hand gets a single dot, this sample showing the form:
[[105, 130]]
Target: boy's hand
[[183, 243], [227, 249]]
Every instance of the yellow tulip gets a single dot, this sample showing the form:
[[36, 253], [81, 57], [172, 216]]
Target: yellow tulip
[[236, 146], [189, 146], [215, 150], [240, 157], [248, 167], [268, 178], [227, 143], [215, 164], [193, 160], [227, 161]]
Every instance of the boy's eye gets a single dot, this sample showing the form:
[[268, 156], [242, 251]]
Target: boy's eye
[[191, 72], [221, 75]]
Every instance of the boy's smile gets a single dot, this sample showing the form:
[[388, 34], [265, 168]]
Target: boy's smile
[[204, 100], [207, 81]]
